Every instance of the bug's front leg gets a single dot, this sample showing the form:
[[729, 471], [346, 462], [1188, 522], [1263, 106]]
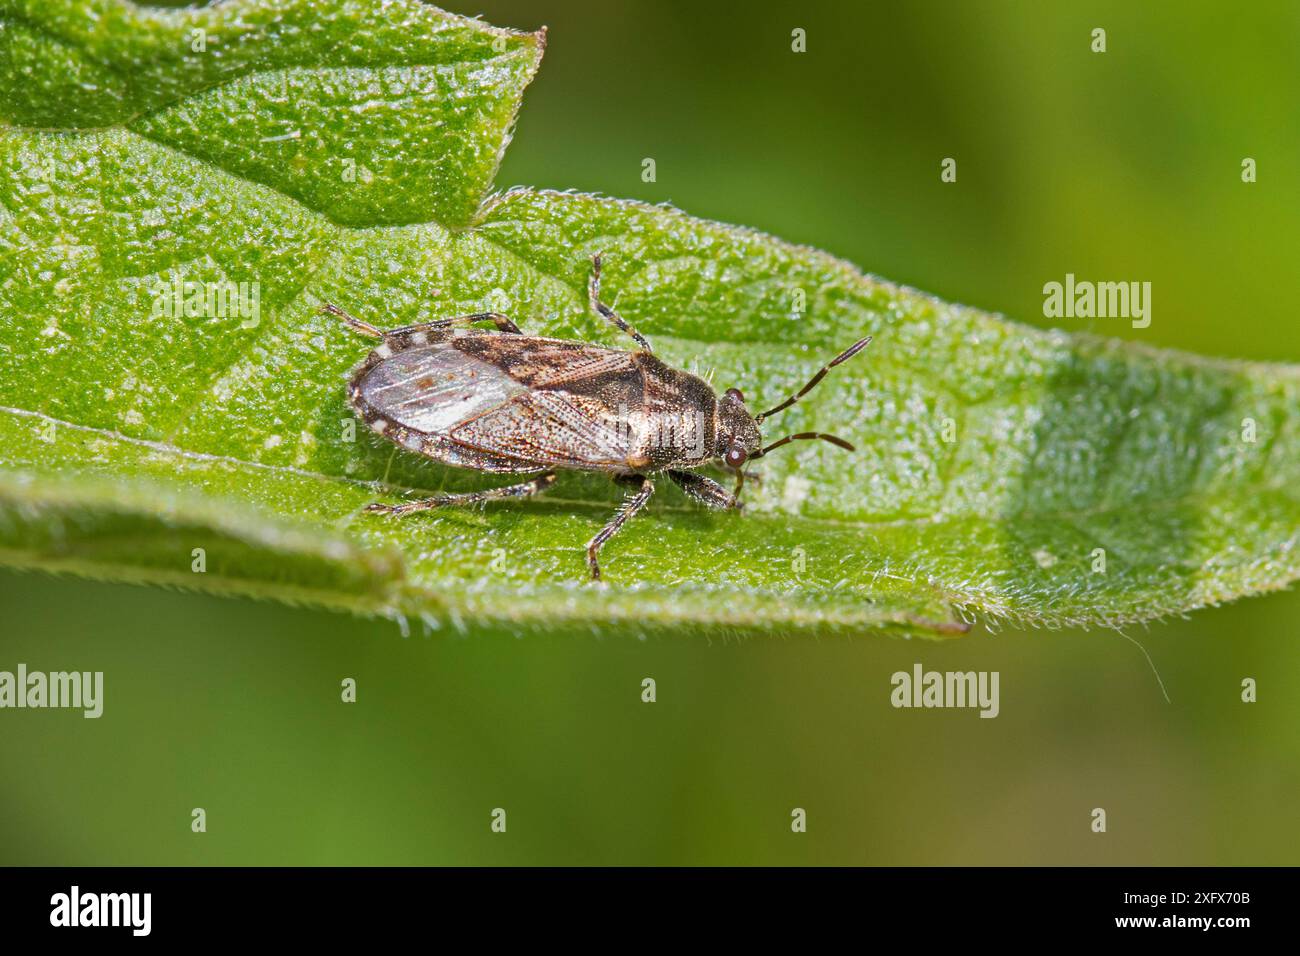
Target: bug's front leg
[[704, 490], [521, 490], [741, 475], [630, 507]]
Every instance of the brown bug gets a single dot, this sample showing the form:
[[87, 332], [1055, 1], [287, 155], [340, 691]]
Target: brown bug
[[505, 402]]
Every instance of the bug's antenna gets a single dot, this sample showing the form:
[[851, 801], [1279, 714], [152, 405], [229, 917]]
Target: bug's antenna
[[804, 436], [844, 356]]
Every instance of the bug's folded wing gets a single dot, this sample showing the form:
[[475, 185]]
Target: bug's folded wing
[[552, 427], [540, 363], [432, 390]]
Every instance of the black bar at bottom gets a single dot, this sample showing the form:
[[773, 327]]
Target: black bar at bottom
[[339, 905]]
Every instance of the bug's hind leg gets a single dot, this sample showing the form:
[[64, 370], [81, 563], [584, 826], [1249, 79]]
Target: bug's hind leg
[[521, 490], [593, 295], [365, 328], [502, 323], [631, 506], [436, 326]]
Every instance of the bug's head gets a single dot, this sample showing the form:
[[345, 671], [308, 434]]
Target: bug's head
[[746, 441], [739, 437]]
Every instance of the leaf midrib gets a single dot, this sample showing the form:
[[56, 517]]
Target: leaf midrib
[[380, 486]]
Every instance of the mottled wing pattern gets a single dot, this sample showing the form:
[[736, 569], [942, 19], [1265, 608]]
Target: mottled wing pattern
[[577, 407], [516, 400], [555, 363], [426, 391], [555, 427]]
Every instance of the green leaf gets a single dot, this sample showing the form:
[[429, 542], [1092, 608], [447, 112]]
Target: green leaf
[[408, 108], [342, 152]]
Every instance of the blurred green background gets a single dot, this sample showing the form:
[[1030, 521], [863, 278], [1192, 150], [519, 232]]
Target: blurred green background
[[1123, 165]]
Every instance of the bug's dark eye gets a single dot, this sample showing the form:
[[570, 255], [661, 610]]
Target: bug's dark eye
[[735, 456], [735, 394]]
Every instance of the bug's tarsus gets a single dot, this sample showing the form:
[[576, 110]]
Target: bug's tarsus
[[630, 507], [844, 356], [506, 325], [365, 328], [521, 490], [593, 294]]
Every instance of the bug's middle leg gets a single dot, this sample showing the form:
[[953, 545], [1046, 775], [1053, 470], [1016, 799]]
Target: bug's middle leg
[[630, 507], [521, 490], [593, 295]]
